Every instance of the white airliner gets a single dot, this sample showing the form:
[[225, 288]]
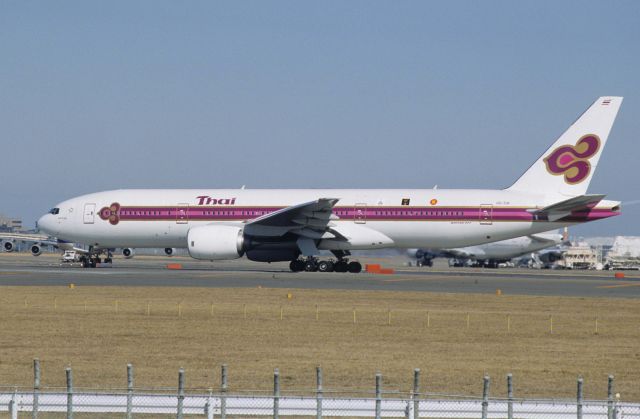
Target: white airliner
[[490, 254], [283, 225]]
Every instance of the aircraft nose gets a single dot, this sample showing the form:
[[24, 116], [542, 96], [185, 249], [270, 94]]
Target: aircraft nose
[[46, 224]]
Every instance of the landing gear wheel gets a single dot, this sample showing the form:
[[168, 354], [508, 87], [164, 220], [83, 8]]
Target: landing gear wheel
[[341, 266], [310, 265], [296, 265], [355, 267], [325, 266]]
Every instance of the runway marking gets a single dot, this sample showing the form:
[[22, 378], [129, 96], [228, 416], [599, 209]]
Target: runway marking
[[637, 284]]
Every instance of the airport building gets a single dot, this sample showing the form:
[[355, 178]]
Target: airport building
[[8, 224]]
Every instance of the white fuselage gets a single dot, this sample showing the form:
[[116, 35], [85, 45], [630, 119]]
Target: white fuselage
[[406, 218], [500, 250], [512, 248]]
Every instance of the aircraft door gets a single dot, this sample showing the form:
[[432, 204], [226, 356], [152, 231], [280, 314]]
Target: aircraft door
[[486, 214], [89, 213], [360, 215], [182, 214]]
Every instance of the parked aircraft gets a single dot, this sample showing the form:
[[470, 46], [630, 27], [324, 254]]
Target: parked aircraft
[[293, 225], [489, 254], [39, 241], [80, 253], [36, 241]]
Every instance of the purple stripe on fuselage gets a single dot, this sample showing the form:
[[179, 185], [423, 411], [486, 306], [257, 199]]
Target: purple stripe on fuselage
[[350, 213]]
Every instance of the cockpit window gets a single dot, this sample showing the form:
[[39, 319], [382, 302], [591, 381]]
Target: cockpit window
[[54, 211]]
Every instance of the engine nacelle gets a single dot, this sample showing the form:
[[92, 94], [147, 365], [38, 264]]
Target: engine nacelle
[[213, 242], [128, 252], [550, 257], [36, 250], [9, 247], [169, 251]]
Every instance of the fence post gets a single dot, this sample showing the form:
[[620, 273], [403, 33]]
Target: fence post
[[378, 395], [416, 393], [610, 398], [509, 396], [179, 414], [208, 407], [36, 388], [129, 390], [579, 399], [13, 410], [276, 393], [69, 393], [223, 391], [485, 396], [318, 392]]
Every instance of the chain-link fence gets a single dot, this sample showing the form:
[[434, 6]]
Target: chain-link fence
[[70, 402], [49, 405]]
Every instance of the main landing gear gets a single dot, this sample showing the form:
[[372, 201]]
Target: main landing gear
[[312, 264], [92, 259]]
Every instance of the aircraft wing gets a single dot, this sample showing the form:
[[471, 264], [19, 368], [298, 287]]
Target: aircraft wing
[[28, 238], [310, 220], [564, 208], [24, 237], [539, 239], [40, 239]]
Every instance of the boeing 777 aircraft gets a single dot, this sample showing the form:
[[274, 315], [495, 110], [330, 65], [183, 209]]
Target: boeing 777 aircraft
[[283, 225]]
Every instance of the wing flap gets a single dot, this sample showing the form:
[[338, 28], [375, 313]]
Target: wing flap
[[313, 222]]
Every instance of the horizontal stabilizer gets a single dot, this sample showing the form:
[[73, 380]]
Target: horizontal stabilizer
[[563, 208]]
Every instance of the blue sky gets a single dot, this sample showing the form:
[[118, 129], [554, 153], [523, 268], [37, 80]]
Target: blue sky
[[105, 95]]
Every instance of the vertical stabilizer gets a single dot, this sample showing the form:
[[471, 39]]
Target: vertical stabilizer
[[567, 166]]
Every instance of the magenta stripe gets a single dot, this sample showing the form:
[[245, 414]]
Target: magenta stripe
[[349, 213]]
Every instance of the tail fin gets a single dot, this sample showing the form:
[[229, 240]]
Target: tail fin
[[567, 166]]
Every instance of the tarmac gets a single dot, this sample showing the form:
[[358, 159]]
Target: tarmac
[[151, 271]]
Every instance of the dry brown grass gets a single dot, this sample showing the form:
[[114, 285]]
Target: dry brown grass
[[98, 343]]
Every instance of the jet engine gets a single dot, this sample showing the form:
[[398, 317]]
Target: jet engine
[[128, 252], [36, 250], [8, 247], [215, 242], [169, 251], [550, 257]]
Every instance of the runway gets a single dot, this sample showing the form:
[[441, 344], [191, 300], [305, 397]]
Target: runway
[[25, 270]]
